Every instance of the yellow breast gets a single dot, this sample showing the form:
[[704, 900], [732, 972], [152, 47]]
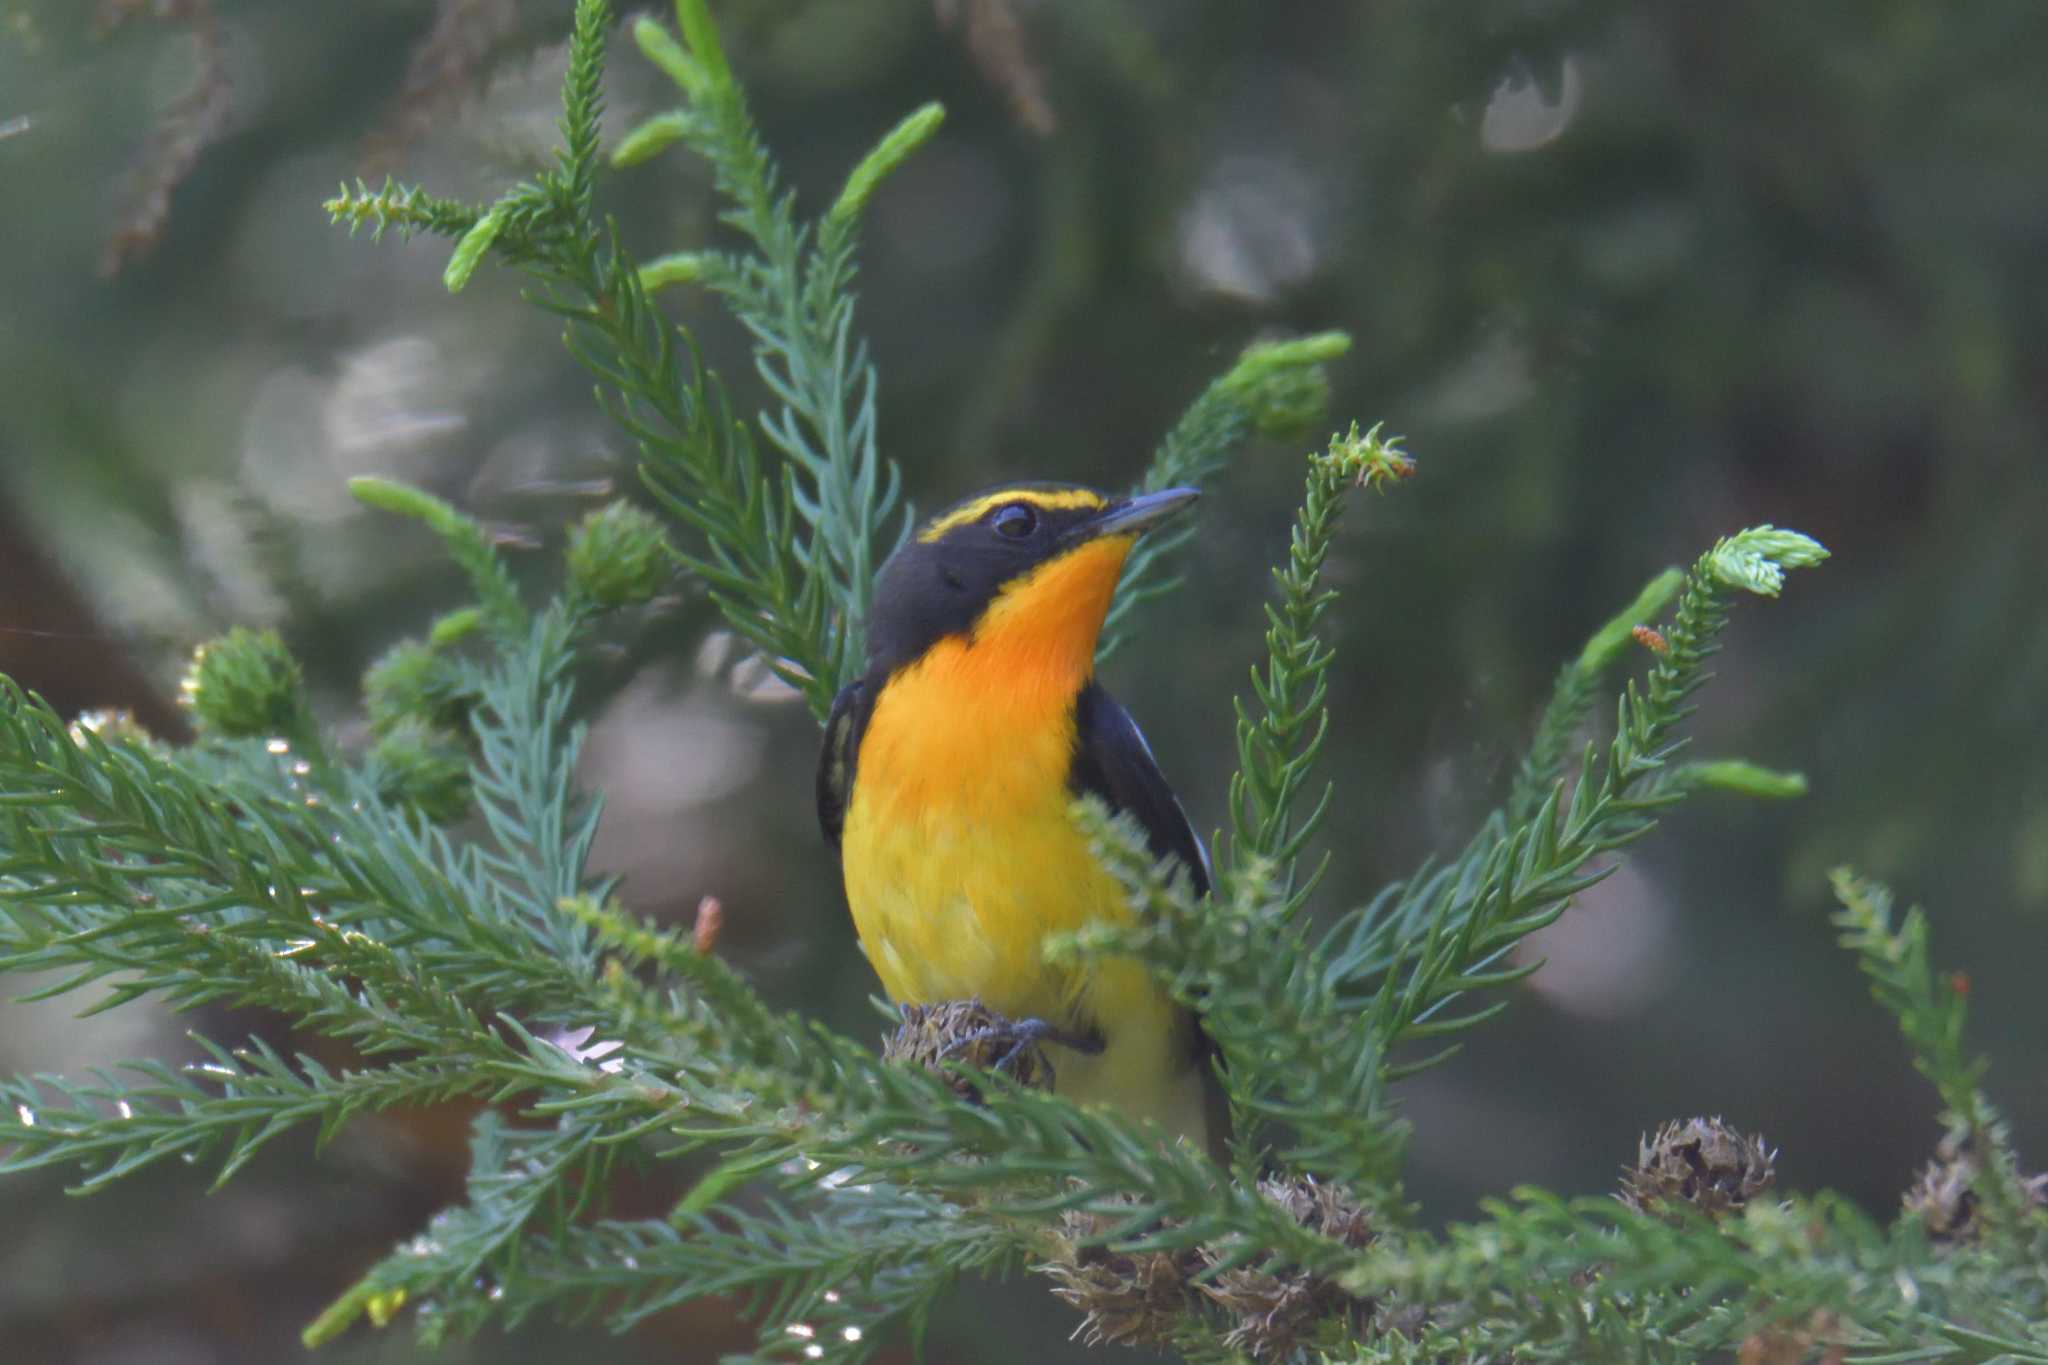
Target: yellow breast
[[959, 852]]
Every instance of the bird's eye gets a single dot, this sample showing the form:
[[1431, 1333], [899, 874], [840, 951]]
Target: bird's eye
[[1015, 521]]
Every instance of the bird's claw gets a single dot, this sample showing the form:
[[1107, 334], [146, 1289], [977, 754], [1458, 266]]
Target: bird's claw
[[1015, 1038]]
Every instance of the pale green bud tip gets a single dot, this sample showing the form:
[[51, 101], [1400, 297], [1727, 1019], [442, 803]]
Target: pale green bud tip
[[618, 556], [682, 267], [1655, 596], [469, 252], [693, 17], [1744, 779], [389, 495], [1370, 460], [455, 627], [244, 683], [1283, 385], [423, 766], [1755, 560], [659, 46], [380, 1306], [895, 148], [650, 138], [1313, 349]]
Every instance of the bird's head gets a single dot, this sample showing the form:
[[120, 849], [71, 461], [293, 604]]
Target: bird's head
[[1030, 566]]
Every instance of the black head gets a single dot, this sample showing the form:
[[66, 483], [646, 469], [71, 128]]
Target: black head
[[942, 579]]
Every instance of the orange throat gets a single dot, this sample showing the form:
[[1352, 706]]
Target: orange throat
[[1046, 623], [986, 721]]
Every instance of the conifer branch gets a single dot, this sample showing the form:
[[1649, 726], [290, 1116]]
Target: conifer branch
[[1019, 1153], [1413, 952], [524, 785], [517, 1177], [1279, 389], [1577, 688], [1930, 1007], [236, 1102], [703, 468], [1025, 1154], [1591, 1279], [408, 208], [1221, 958], [469, 545], [1278, 748], [792, 290], [1387, 975], [698, 463], [840, 1274]]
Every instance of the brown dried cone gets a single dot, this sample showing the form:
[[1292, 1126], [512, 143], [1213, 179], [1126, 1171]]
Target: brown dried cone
[[1942, 1198], [964, 1031], [1701, 1162], [1276, 1310], [1136, 1299]]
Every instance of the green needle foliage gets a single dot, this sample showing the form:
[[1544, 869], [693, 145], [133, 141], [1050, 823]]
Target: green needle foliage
[[1277, 389], [1593, 1279], [430, 903], [1276, 750], [1930, 1007], [791, 290], [1442, 935]]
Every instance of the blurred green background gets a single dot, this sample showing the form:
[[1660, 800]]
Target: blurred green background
[[1627, 275]]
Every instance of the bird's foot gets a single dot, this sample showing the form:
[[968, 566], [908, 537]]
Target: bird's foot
[[1012, 1047], [969, 1031]]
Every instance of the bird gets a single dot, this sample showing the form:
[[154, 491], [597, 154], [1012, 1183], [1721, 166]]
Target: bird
[[947, 780]]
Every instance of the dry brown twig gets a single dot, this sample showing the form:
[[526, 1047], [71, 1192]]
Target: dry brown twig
[[441, 75], [184, 130], [995, 39]]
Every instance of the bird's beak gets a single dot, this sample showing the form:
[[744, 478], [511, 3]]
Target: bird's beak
[[1135, 516]]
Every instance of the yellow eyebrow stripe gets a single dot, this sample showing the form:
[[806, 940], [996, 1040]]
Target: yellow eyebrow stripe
[[1045, 500]]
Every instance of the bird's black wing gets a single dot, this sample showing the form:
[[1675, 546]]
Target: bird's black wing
[[1112, 761], [837, 760]]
